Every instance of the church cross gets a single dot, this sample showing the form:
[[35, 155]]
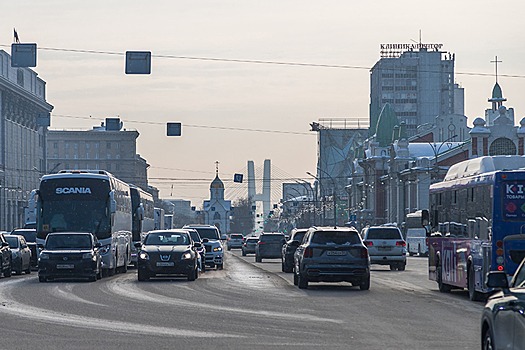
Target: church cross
[[496, 64], [217, 168]]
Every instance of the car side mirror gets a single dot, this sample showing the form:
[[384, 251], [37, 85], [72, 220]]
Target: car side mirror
[[205, 240], [98, 245], [497, 279], [40, 246], [197, 244], [138, 245]]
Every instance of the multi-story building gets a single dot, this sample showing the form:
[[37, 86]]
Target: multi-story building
[[417, 80], [107, 147], [24, 118]]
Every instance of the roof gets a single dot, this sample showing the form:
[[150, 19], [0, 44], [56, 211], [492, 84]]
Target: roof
[[217, 183], [430, 149]]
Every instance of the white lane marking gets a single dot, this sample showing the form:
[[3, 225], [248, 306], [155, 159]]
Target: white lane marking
[[125, 288], [49, 316]]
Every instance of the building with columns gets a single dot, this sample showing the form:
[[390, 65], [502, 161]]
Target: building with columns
[[217, 209], [24, 118]]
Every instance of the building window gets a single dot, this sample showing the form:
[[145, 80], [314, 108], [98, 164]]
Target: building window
[[108, 145], [502, 146], [216, 216], [55, 145], [108, 156], [20, 77]]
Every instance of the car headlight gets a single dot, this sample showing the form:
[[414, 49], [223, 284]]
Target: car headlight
[[217, 249], [91, 256], [105, 249], [186, 256], [143, 256], [44, 256]]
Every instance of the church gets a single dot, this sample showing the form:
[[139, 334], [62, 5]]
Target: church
[[217, 209]]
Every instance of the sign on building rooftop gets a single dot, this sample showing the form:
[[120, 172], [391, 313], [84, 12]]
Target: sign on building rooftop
[[23, 55], [138, 62]]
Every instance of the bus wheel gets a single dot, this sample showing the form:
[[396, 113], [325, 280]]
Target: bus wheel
[[443, 288], [472, 293]]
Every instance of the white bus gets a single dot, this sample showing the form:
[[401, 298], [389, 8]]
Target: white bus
[[415, 235], [88, 201]]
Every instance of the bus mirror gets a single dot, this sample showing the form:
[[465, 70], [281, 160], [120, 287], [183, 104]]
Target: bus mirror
[[425, 218], [112, 203]]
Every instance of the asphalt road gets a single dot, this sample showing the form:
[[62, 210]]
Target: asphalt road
[[247, 305]]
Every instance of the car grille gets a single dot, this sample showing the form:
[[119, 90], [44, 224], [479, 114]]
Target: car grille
[[60, 257]]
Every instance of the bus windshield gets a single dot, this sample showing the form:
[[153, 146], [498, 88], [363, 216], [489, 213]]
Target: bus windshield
[[74, 205]]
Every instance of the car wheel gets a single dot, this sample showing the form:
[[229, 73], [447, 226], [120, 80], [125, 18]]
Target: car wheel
[[243, 253], [443, 288], [487, 342], [365, 284], [42, 279], [99, 274], [192, 275], [295, 279], [92, 278], [402, 266], [203, 267], [283, 268], [302, 281], [472, 293], [393, 267], [8, 272], [229, 248], [113, 270], [220, 266], [143, 275], [124, 268], [28, 270], [258, 259]]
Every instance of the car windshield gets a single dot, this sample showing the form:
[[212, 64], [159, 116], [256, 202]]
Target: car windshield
[[252, 240], [12, 240], [67, 241], [195, 236], [167, 238], [271, 238], [519, 279], [210, 233], [236, 236], [29, 235], [383, 233], [336, 237]]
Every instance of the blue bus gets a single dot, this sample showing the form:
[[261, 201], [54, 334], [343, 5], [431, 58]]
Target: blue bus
[[477, 220], [88, 201], [143, 210]]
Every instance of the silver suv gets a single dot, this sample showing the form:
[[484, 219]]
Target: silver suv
[[386, 246], [211, 238], [235, 240]]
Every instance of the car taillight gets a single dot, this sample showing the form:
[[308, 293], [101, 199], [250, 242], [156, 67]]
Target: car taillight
[[369, 243], [308, 253], [401, 243], [364, 253], [259, 243]]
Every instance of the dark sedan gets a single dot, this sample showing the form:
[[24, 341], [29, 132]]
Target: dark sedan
[[503, 318], [70, 255], [332, 254], [167, 253], [289, 249]]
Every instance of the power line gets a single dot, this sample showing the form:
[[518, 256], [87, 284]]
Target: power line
[[233, 60], [195, 126]]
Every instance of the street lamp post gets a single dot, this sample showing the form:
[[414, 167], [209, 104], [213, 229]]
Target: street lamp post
[[308, 187], [334, 196], [436, 149]]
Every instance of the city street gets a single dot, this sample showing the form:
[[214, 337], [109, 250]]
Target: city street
[[247, 305]]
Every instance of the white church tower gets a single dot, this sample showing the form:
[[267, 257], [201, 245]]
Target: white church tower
[[217, 210]]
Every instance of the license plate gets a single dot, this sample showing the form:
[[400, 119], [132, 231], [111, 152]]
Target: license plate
[[335, 252], [65, 266], [169, 263]]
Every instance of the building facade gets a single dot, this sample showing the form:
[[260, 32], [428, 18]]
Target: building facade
[[24, 118], [217, 210], [106, 147], [418, 82]]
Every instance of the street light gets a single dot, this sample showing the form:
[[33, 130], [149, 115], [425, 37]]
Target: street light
[[334, 197], [436, 149]]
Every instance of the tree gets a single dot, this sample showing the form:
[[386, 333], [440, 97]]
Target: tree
[[242, 220]]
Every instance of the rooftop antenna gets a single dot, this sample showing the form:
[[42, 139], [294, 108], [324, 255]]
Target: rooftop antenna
[[496, 64]]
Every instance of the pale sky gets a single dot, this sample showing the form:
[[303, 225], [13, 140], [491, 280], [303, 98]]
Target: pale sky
[[243, 95]]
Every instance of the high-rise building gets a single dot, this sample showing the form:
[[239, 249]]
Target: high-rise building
[[417, 80]]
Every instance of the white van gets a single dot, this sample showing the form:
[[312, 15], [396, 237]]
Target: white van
[[417, 241]]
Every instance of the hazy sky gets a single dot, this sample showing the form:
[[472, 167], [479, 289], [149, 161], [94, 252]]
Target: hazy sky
[[242, 95]]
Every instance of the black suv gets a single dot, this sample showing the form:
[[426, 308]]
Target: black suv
[[5, 257], [70, 255], [269, 246], [329, 254], [289, 249]]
